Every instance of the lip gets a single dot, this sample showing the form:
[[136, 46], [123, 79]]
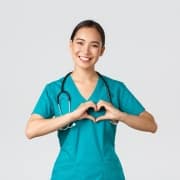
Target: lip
[[84, 58]]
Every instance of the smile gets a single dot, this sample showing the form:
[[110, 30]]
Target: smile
[[85, 59]]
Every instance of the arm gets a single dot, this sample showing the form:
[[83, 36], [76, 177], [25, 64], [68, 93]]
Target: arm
[[143, 122], [39, 126]]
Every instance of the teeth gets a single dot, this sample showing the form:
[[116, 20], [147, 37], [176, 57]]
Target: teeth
[[84, 58]]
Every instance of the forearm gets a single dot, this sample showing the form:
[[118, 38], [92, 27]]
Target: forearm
[[38, 126], [143, 122]]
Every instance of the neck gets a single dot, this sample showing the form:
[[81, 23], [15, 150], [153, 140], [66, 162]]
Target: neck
[[84, 75]]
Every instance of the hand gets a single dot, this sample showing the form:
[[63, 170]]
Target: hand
[[111, 112], [81, 111]]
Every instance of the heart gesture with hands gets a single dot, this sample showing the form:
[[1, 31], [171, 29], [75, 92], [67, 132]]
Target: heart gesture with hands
[[81, 111], [111, 113]]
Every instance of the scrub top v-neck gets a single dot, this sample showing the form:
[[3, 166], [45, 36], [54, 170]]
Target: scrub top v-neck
[[78, 93], [87, 149]]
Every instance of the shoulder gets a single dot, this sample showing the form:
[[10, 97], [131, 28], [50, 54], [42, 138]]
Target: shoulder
[[54, 85], [114, 82]]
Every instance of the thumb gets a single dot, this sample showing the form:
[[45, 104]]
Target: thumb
[[100, 118], [91, 118]]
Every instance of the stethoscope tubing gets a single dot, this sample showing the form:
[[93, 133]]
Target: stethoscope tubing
[[68, 95], [63, 91]]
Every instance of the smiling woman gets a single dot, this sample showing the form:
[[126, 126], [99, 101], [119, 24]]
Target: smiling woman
[[85, 112], [86, 47]]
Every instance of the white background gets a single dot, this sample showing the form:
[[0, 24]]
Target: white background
[[142, 50]]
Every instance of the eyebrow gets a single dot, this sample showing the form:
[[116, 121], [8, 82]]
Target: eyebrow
[[77, 39]]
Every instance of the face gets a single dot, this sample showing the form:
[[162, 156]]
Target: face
[[86, 47]]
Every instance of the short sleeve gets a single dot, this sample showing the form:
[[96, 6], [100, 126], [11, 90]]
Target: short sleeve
[[43, 105], [128, 102]]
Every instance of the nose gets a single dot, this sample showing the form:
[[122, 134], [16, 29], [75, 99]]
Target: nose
[[86, 49]]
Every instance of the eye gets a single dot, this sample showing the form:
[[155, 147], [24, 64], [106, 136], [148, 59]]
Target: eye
[[79, 42], [95, 45]]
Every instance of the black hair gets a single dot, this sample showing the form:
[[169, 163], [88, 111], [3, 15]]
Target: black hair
[[90, 24]]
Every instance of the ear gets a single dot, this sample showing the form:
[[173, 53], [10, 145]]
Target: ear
[[102, 51]]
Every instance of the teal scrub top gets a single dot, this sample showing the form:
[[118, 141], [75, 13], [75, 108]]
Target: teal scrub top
[[87, 150]]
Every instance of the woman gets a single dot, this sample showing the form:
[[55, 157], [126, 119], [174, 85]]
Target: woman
[[85, 107]]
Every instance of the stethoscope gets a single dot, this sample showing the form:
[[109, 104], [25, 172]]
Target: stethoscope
[[63, 93]]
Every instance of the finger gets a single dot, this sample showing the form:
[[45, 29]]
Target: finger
[[87, 116], [100, 118], [91, 118], [90, 104], [85, 106], [101, 105]]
